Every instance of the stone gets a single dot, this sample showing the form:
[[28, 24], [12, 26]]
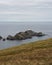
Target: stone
[[4, 39], [40, 34], [0, 37], [10, 37]]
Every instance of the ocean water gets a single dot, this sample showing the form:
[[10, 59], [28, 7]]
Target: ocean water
[[13, 28]]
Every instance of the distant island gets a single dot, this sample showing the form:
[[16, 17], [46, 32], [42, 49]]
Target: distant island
[[23, 35]]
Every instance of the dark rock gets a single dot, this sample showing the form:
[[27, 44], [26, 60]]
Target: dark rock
[[27, 34], [0, 37], [30, 32], [4, 39], [10, 37], [40, 34], [23, 35], [20, 36]]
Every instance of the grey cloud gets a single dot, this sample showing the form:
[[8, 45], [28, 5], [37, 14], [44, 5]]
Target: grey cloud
[[17, 11]]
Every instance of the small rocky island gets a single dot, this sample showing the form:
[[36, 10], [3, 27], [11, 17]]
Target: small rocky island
[[23, 35]]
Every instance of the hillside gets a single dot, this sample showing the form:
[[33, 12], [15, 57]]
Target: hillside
[[34, 53]]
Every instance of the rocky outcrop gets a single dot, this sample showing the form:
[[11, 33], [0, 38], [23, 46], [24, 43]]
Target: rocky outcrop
[[25, 35]]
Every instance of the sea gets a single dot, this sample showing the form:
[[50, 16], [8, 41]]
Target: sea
[[11, 28]]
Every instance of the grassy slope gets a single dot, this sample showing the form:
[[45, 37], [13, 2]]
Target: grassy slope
[[34, 53]]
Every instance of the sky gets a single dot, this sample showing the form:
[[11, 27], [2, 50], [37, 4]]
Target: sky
[[25, 10]]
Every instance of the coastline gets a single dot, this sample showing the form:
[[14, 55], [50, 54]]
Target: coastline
[[37, 52], [30, 43]]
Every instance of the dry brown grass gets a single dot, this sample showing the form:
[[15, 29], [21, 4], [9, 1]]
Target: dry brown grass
[[34, 53]]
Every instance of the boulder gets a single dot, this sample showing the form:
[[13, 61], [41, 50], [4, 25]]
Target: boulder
[[0, 37], [4, 39], [10, 37], [40, 34]]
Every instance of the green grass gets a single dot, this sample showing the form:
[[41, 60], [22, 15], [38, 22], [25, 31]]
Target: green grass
[[34, 53]]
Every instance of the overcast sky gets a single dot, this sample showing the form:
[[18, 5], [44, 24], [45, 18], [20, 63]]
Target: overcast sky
[[25, 10]]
